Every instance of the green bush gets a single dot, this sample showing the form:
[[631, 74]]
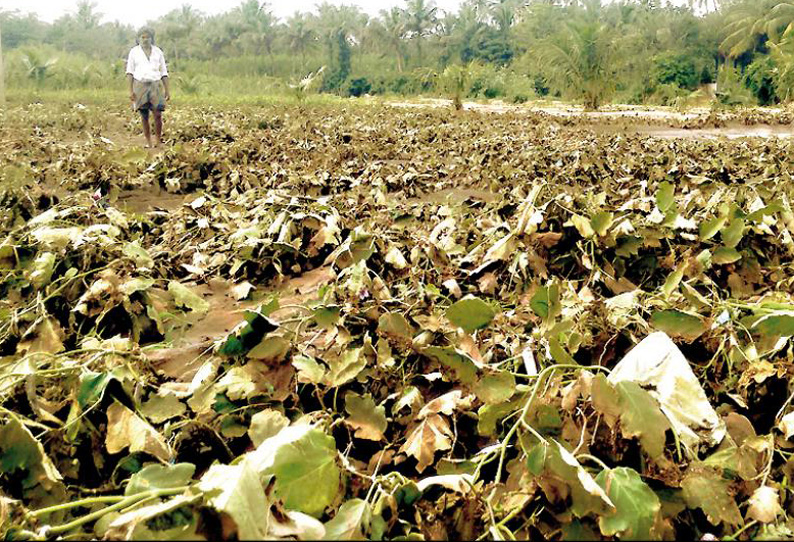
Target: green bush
[[760, 79], [677, 69], [359, 87]]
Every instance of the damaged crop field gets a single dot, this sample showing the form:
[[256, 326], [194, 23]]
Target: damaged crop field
[[372, 322]]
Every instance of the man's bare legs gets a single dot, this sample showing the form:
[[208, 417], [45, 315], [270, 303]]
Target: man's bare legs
[[146, 131], [158, 127]]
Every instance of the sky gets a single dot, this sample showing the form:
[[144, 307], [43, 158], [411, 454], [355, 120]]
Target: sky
[[139, 11]]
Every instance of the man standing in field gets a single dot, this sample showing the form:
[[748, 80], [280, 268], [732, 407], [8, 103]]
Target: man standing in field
[[148, 81]]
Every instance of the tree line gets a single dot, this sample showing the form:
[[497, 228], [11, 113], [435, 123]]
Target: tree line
[[639, 51]]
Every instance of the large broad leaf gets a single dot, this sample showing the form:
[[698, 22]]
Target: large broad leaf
[[128, 430], [710, 228], [726, 255], [637, 508], [557, 467], [778, 324], [237, 491], [470, 313], [184, 297], [641, 417], [368, 419], [733, 233], [463, 368], [247, 334], [704, 488], [160, 477], [350, 522], [546, 301], [346, 367], [678, 324], [665, 196], [307, 476], [23, 458], [431, 435], [495, 387]]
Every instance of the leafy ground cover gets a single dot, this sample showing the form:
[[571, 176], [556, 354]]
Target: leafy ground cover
[[367, 322]]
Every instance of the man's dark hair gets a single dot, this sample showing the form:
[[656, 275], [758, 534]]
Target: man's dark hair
[[143, 30]]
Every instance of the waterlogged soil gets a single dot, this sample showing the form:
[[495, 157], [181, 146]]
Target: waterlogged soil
[[452, 290], [641, 120]]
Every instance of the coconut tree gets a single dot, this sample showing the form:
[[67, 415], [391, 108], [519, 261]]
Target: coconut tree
[[421, 17], [391, 29], [299, 36], [580, 58]]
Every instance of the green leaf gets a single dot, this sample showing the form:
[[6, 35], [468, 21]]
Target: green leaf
[[350, 522], [704, 488], [637, 508], [709, 228], [733, 233], [247, 334], [559, 353], [641, 417], [601, 222], [672, 282], [184, 297], [307, 476], [327, 316], [678, 324], [265, 424], [559, 465], [237, 491], [368, 419], [309, 371], [395, 325], [725, 255], [778, 324], [772, 208], [546, 302], [629, 246], [462, 366], [347, 367], [160, 408], [665, 196], [496, 387], [22, 458], [160, 477], [470, 313], [582, 225]]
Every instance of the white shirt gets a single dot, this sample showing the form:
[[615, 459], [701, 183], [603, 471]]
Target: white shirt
[[146, 69]]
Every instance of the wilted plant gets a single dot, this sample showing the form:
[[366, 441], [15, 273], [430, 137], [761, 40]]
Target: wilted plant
[[302, 88], [455, 81]]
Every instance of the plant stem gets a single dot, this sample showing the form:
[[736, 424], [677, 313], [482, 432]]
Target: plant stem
[[121, 503]]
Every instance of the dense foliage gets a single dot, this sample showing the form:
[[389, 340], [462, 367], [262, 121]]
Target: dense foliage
[[391, 323], [630, 50]]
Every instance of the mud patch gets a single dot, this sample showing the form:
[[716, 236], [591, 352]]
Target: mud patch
[[185, 355]]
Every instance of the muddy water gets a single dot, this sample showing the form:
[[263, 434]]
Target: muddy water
[[637, 119]]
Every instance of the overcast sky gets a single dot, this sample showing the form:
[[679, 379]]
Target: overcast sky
[[138, 12]]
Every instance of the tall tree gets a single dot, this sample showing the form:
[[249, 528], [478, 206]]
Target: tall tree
[[580, 57], [299, 36], [421, 17], [391, 28]]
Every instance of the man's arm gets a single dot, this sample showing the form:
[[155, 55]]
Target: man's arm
[[129, 81], [165, 85], [164, 74]]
